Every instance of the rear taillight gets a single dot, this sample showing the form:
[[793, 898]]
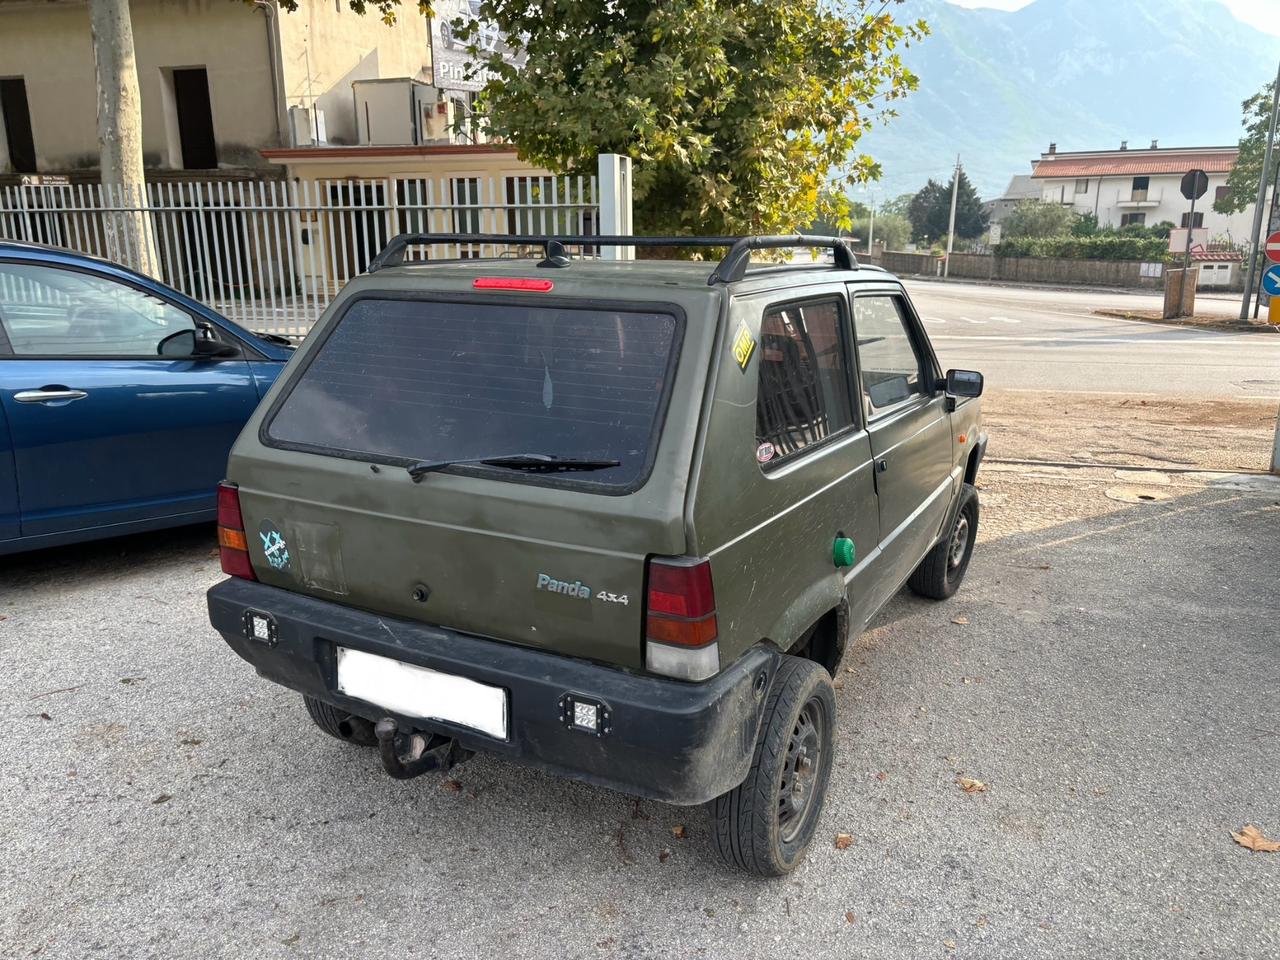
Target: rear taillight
[[233, 547], [680, 619]]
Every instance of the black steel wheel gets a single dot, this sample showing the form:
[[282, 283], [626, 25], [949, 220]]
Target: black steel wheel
[[944, 566], [765, 824]]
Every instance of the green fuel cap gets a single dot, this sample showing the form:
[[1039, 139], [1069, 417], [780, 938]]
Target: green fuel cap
[[843, 552]]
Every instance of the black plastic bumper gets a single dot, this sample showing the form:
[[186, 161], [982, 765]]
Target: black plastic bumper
[[680, 742]]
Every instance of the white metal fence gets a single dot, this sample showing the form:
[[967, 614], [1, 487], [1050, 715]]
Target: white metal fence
[[272, 254]]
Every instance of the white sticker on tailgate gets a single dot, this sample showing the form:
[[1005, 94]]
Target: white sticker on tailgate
[[420, 692]]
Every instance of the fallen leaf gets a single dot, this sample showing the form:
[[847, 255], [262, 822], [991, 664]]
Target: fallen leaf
[[130, 681], [190, 742], [837, 685], [850, 670], [664, 855], [969, 785], [45, 716], [960, 620], [1252, 838], [163, 798], [290, 941], [848, 916], [981, 921], [679, 832], [453, 786], [882, 775], [949, 944], [844, 841]]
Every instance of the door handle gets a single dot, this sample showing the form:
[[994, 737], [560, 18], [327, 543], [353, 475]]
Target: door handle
[[882, 465], [46, 394]]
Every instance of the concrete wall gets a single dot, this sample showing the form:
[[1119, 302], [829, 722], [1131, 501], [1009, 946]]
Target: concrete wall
[[1039, 270], [325, 46], [49, 46]]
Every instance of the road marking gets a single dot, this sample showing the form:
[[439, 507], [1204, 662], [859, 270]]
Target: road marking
[[934, 320], [1007, 319], [971, 320]]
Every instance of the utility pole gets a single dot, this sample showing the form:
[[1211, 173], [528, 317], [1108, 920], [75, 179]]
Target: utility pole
[[871, 229], [1262, 196], [951, 225]]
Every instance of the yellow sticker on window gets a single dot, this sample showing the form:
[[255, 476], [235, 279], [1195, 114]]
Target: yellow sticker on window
[[744, 345]]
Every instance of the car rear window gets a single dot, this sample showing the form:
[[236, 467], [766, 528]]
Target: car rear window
[[400, 381]]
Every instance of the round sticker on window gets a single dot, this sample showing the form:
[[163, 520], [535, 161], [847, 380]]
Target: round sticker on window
[[764, 452]]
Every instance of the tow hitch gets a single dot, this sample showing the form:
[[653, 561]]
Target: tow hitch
[[420, 754]]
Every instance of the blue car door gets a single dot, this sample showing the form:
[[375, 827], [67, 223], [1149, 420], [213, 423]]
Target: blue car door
[[8, 479], [114, 416]]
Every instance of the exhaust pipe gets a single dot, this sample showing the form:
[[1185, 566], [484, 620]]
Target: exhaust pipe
[[404, 757], [356, 729]]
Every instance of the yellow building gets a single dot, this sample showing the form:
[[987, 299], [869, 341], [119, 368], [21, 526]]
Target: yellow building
[[219, 80]]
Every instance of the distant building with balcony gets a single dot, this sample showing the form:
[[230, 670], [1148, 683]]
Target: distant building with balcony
[[1127, 186]]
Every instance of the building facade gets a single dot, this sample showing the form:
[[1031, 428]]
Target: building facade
[[1124, 186], [219, 81]]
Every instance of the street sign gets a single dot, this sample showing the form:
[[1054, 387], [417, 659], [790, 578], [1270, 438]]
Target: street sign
[[1271, 280], [1272, 247], [1194, 184]]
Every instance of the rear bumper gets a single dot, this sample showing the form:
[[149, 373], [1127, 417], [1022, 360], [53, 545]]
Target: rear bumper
[[680, 742]]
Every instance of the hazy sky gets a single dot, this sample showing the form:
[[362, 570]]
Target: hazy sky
[[1264, 14]]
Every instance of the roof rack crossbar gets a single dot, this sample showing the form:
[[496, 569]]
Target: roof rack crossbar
[[732, 267]]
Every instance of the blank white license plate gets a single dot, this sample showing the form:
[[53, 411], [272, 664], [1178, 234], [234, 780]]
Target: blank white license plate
[[420, 692]]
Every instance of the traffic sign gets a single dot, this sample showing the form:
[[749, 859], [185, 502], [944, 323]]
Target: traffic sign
[[1194, 184], [1271, 281], [1272, 247]]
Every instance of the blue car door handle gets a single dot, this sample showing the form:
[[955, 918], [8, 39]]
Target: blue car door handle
[[47, 394]]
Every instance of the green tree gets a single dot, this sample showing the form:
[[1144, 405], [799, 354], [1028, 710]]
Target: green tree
[[1242, 182], [930, 210], [901, 205], [891, 229], [738, 113], [1035, 218]]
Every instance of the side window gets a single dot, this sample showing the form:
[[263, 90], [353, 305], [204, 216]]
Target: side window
[[49, 311], [804, 394], [887, 354]]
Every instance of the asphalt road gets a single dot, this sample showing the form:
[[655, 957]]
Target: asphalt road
[[1108, 670], [1030, 339]]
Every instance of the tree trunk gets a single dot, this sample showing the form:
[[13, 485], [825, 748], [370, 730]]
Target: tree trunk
[[128, 230]]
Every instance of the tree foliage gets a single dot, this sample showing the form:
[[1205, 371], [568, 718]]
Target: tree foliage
[[1102, 246], [1242, 182], [930, 210], [1035, 218], [738, 113]]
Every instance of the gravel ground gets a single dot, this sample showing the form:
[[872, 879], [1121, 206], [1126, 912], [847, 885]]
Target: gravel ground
[[1109, 669]]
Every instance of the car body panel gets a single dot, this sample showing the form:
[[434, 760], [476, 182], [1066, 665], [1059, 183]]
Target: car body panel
[[364, 535], [146, 445], [370, 539]]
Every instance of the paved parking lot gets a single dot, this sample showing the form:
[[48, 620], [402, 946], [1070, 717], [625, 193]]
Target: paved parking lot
[[1109, 670]]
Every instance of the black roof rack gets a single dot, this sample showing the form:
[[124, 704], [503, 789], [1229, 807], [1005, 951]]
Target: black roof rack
[[732, 267]]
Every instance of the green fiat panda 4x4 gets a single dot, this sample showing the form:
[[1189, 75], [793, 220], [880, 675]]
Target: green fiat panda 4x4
[[618, 519]]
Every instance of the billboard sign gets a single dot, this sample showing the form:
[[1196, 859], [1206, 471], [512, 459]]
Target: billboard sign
[[450, 61]]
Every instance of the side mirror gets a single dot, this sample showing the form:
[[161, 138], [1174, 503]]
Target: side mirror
[[964, 383], [195, 344]]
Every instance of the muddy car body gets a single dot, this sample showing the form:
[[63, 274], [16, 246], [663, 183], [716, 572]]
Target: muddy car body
[[617, 519]]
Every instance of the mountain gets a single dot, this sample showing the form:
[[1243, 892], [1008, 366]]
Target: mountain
[[998, 86]]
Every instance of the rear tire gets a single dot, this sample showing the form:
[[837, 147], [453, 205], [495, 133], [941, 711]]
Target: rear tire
[[942, 569], [339, 724], [764, 825]]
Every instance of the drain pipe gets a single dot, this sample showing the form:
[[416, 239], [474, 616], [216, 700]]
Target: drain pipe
[[275, 58]]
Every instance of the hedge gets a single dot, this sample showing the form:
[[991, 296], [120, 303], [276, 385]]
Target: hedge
[[1096, 247]]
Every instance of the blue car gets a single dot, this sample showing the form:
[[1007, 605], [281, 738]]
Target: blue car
[[119, 399]]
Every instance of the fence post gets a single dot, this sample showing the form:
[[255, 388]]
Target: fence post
[[613, 190], [26, 213]]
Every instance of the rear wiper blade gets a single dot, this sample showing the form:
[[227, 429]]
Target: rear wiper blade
[[533, 462]]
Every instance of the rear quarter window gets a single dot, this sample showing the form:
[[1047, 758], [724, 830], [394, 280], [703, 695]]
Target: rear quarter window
[[404, 380]]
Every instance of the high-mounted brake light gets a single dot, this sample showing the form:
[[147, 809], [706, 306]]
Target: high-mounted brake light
[[233, 547], [512, 283], [680, 619]]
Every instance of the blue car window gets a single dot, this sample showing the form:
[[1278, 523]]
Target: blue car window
[[51, 312]]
